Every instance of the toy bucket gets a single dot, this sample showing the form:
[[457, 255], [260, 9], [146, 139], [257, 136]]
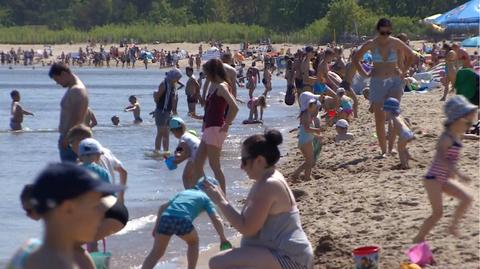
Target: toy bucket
[[420, 254], [101, 259], [366, 257], [170, 164]]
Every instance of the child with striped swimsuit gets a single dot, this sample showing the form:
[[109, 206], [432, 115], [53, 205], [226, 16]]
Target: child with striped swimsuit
[[460, 115]]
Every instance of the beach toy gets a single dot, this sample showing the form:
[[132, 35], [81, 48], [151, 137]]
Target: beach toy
[[406, 265], [171, 165], [101, 259], [421, 254], [225, 246], [366, 257]]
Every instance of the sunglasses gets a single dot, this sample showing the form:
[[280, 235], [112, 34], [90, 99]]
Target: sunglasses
[[385, 33]]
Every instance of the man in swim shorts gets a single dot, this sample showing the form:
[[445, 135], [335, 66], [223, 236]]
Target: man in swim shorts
[[192, 90], [74, 106]]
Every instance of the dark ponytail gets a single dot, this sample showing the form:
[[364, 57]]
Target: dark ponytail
[[265, 145]]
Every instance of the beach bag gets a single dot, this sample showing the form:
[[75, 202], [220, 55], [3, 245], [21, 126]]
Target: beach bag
[[421, 254], [290, 95]]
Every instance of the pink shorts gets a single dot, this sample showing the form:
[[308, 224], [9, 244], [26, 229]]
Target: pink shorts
[[214, 137]]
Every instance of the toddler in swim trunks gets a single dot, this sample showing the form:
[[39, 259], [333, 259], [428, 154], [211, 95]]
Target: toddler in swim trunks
[[398, 126], [177, 216]]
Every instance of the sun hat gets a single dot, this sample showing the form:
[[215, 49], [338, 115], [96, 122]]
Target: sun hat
[[59, 182], [305, 99], [391, 105], [456, 108], [176, 122], [341, 123], [174, 74], [89, 146]]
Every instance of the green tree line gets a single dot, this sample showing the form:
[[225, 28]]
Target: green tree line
[[281, 20]]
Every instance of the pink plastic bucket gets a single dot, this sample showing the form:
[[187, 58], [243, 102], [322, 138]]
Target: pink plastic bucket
[[421, 254], [366, 257]]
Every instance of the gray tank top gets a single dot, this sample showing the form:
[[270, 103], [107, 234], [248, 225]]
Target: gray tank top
[[283, 234]]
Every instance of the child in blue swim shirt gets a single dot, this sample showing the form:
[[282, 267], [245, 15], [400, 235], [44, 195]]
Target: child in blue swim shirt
[[176, 218]]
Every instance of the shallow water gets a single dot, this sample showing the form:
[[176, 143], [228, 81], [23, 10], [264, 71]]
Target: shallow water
[[24, 154]]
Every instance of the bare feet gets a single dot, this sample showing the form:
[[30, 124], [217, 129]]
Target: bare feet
[[453, 230]]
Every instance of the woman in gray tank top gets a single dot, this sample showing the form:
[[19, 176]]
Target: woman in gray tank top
[[269, 222]]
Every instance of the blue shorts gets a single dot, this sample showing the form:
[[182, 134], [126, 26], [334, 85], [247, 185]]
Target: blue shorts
[[170, 225], [382, 88], [66, 155]]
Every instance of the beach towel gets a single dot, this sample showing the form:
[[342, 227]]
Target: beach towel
[[317, 148], [467, 83]]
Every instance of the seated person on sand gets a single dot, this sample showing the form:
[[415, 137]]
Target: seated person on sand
[[330, 106], [17, 112], [176, 218], [341, 126], [135, 108], [397, 126], [366, 93], [253, 105], [345, 111]]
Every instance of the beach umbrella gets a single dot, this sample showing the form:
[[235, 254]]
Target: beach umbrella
[[464, 17], [472, 42], [432, 18]]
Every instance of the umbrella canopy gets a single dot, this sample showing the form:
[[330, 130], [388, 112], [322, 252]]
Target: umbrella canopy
[[467, 13], [471, 42]]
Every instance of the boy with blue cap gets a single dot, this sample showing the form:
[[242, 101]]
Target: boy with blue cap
[[177, 216], [187, 148], [398, 127]]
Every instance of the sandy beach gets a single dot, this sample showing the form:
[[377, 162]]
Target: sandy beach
[[356, 199]]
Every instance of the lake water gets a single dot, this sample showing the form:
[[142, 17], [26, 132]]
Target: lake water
[[23, 155]]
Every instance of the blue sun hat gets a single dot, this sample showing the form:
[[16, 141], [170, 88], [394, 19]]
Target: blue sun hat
[[201, 183], [457, 107], [391, 105]]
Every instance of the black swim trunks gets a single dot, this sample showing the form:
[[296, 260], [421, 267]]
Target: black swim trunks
[[170, 225]]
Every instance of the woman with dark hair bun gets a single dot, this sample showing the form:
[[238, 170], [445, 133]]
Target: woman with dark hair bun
[[387, 75], [269, 221]]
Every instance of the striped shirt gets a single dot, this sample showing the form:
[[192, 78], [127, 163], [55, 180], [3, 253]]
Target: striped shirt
[[440, 172]]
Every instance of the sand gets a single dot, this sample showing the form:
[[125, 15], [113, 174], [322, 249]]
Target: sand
[[356, 199]]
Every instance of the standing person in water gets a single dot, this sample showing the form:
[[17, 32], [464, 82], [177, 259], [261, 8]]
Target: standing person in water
[[74, 106], [192, 90], [460, 115], [386, 76], [267, 80], [17, 112], [220, 111], [272, 234], [164, 99], [134, 107]]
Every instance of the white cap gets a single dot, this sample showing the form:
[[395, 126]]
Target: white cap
[[340, 90], [342, 123], [89, 146]]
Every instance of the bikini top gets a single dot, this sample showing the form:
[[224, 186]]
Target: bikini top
[[378, 58]]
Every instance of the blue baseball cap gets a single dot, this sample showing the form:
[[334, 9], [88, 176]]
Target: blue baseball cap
[[176, 122], [59, 182], [391, 105]]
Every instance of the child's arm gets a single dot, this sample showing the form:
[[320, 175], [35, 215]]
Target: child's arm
[[130, 108], [181, 153], [217, 224], [93, 119], [25, 112]]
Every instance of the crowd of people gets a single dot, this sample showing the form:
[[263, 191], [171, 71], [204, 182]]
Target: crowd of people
[[81, 203]]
